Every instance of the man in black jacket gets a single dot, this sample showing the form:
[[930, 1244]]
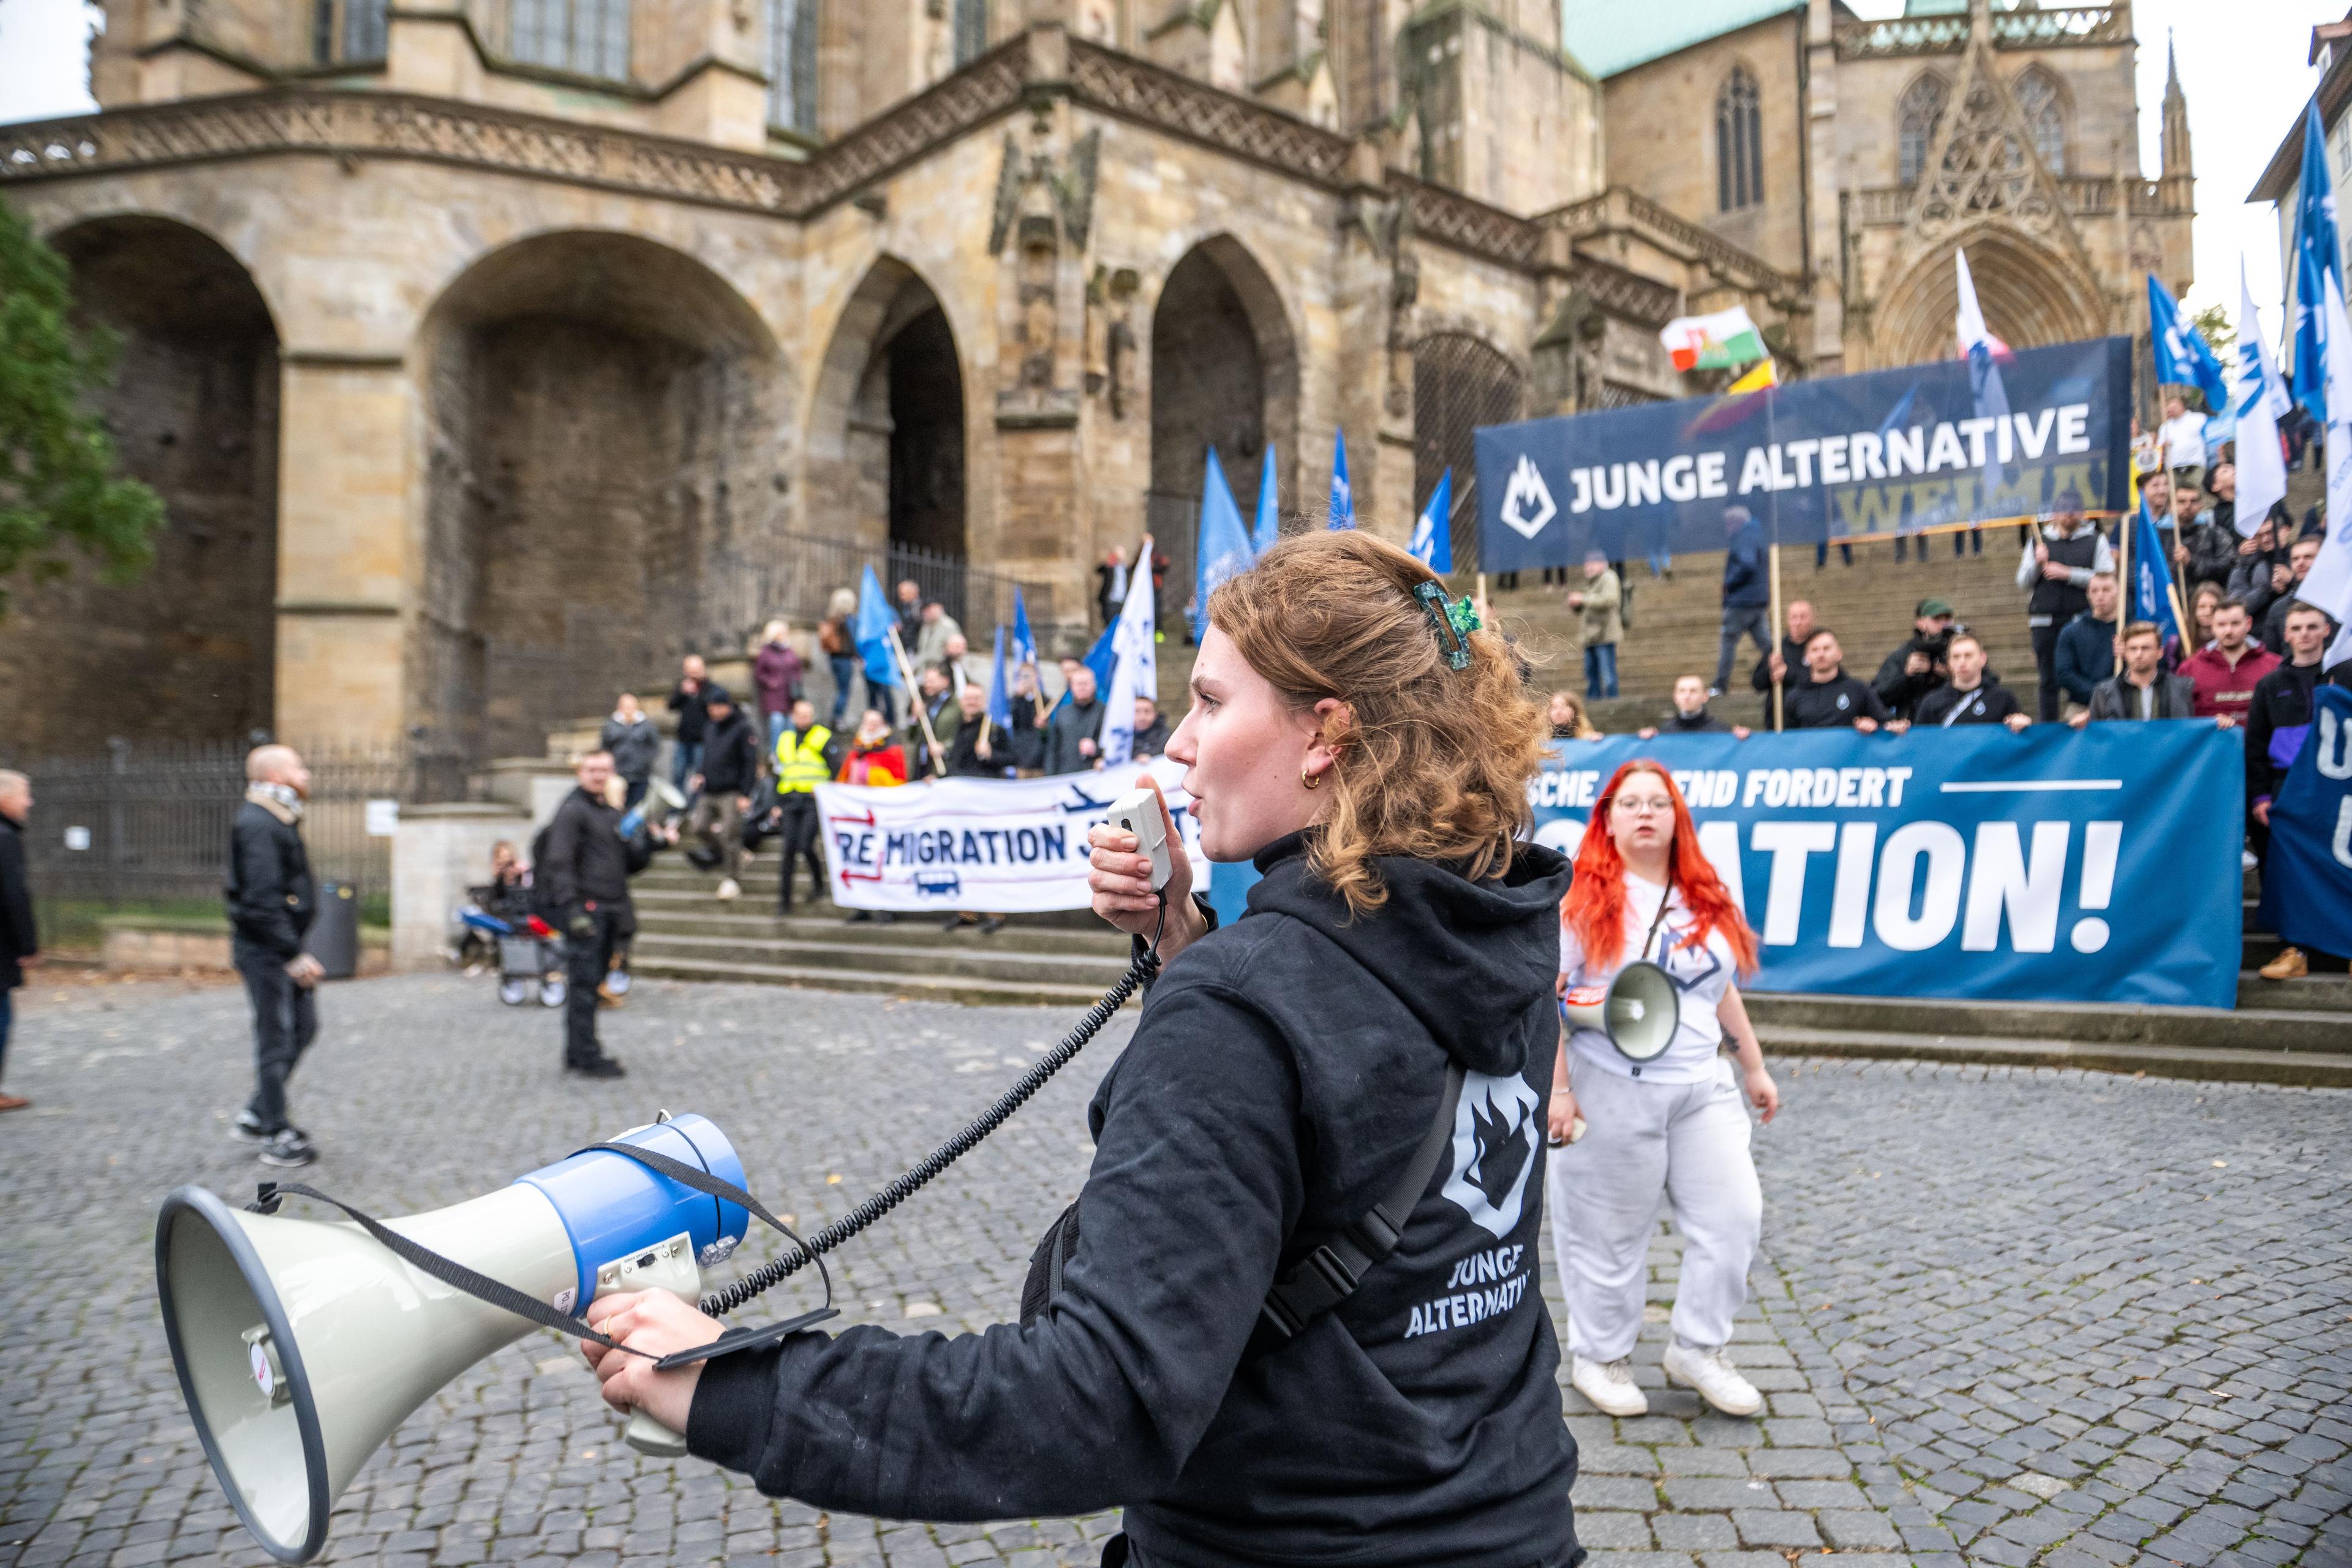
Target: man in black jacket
[[689, 700], [1972, 697], [1830, 699], [1917, 667], [584, 872], [2278, 724], [271, 903], [20, 944], [2140, 689], [1074, 730], [1690, 716], [728, 776], [1785, 666]]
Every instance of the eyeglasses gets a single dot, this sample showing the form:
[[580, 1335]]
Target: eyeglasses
[[1642, 805]]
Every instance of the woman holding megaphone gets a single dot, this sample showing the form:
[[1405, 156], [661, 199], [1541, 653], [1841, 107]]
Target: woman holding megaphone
[[1662, 1117], [1295, 1315]]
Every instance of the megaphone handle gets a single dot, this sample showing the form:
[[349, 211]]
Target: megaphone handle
[[651, 1438]]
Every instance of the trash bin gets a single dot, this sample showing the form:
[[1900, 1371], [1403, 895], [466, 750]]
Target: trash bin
[[334, 939]]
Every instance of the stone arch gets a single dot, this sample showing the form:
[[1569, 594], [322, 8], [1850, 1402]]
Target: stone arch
[[186, 651], [1224, 372], [887, 457], [2032, 296], [601, 428], [1460, 381]]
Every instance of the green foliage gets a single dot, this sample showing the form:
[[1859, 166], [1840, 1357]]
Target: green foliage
[[2212, 324], [58, 489]]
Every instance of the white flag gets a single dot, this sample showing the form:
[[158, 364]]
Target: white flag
[[2329, 585], [2260, 398], [1137, 672]]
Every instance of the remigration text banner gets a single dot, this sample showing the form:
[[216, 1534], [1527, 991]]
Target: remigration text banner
[[1888, 451], [1003, 846], [2052, 865]]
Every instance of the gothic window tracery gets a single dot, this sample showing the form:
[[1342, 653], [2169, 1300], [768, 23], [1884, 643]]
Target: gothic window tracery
[[2040, 103], [589, 36], [792, 65], [971, 31], [1738, 142], [1919, 114]]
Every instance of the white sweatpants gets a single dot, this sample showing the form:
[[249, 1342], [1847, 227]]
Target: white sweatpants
[[1642, 1140]]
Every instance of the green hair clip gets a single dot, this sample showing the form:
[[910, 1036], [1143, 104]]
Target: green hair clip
[[1451, 623]]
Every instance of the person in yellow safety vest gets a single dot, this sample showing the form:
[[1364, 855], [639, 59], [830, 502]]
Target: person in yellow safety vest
[[804, 758]]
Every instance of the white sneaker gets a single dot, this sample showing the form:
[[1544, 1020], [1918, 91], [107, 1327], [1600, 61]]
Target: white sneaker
[[1609, 1384], [728, 889], [1716, 1379]]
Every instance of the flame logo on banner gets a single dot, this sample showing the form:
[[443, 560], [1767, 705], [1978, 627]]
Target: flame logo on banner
[[1526, 502]]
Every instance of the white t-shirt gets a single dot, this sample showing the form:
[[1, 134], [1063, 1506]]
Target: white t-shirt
[[1704, 974], [2184, 441]]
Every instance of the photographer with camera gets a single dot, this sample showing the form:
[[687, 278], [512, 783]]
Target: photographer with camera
[[582, 871], [1356, 1070], [1917, 667]]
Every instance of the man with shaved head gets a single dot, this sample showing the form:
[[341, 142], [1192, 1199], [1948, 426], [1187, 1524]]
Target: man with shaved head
[[271, 902]]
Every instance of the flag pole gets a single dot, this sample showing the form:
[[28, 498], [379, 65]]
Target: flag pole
[[915, 697]]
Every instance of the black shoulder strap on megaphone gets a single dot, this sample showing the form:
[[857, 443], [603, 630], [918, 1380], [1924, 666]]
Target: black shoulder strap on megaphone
[[505, 1297], [1330, 1275]]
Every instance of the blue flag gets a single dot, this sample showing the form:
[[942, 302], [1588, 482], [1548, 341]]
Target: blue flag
[[1102, 659], [2307, 882], [874, 620], [2318, 254], [2183, 358], [2152, 586], [1223, 550], [1343, 495], [1025, 642], [1432, 532], [1000, 690], [1266, 530]]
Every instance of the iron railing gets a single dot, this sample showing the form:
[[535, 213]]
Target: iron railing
[[796, 581], [146, 828]]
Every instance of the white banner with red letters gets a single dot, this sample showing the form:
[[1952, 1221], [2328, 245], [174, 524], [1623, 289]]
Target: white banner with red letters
[[999, 846]]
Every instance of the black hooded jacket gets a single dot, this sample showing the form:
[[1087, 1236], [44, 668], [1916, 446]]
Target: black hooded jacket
[[1282, 1075]]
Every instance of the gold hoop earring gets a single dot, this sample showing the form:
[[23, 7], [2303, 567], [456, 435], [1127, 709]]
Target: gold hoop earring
[[1309, 781]]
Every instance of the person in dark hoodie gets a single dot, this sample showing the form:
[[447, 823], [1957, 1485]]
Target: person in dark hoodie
[[1389, 988], [1690, 716], [2278, 724], [728, 776], [2086, 647], [1917, 667]]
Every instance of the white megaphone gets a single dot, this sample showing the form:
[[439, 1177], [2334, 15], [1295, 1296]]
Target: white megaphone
[[1638, 1010], [301, 1344]]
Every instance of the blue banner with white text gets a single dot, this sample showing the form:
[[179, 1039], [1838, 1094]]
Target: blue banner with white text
[[2308, 881], [1886, 452], [2055, 865]]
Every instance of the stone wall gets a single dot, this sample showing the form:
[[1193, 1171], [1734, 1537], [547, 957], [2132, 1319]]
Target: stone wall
[[184, 650]]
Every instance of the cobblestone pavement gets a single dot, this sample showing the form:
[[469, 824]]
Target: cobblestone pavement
[[1987, 1324]]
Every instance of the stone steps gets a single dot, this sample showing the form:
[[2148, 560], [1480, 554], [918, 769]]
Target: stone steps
[[969, 990], [1677, 620], [2310, 1069], [947, 959], [2278, 1029]]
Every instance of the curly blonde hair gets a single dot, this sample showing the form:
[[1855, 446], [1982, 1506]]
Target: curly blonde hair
[[1433, 762]]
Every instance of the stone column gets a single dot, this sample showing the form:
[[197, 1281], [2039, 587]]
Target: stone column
[[346, 474], [1824, 213], [1377, 283]]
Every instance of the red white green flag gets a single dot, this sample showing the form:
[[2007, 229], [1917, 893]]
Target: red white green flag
[[1723, 341]]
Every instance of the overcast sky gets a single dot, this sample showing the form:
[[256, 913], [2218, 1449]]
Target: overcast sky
[[2241, 64]]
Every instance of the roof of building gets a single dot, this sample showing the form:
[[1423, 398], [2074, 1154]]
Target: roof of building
[[1612, 36], [2286, 168]]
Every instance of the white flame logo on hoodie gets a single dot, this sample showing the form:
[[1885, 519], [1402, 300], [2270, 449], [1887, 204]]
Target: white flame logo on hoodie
[[1496, 1116]]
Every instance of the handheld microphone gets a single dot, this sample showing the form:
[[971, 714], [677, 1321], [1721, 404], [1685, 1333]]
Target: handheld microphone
[[1138, 812]]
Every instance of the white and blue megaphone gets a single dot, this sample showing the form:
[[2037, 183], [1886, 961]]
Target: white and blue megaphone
[[302, 1343]]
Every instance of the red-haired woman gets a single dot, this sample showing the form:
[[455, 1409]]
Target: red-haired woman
[[1672, 1126]]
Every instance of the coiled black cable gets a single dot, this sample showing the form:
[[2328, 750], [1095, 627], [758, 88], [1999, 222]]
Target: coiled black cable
[[776, 1270]]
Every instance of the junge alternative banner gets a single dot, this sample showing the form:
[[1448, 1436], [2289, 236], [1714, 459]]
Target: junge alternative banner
[[1004, 846], [1887, 451], [2307, 882], [2053, 864]]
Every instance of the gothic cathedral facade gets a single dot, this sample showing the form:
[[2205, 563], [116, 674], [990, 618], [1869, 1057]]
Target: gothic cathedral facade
[[489, 355]]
